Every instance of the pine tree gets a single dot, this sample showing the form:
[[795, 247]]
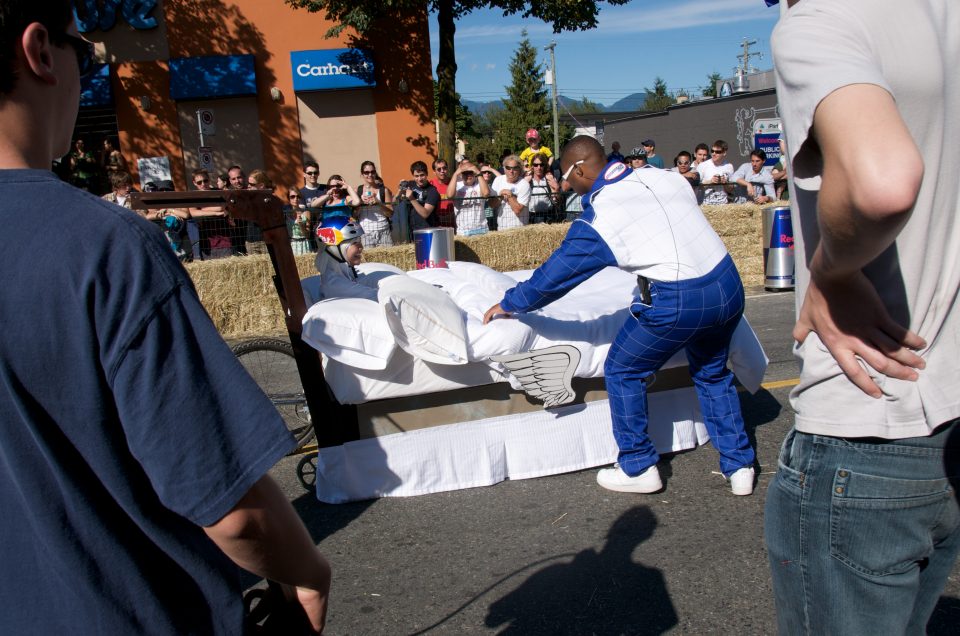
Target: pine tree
[[710, 90], [526, 105], [658, 99]]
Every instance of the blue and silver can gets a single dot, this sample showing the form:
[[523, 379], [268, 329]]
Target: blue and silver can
[[778, 262], [433, 247]]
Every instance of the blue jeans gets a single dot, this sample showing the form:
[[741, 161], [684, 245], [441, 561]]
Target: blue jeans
[[862, 533], [700, 315]]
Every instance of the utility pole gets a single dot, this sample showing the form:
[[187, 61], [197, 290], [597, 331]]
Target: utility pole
[[745, 68], [553, 82]]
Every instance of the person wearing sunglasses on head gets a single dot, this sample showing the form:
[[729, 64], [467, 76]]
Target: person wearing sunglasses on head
[[510, 195], [122, 514], [716, 175]]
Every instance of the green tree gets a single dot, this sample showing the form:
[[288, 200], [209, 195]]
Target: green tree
[[362, 15], [526, 104], [710, 90], [658, 99]]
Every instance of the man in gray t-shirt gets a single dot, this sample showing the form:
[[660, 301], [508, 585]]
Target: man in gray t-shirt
[[862, 525]]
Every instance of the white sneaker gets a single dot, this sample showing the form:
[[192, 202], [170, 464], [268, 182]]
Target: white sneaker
[[741, 482], [615, 479]]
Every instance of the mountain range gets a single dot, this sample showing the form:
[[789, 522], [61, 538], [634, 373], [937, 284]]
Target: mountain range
[[630, 103]]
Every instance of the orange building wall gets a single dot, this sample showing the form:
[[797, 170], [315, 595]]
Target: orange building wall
[[270, 30], [148, 133]]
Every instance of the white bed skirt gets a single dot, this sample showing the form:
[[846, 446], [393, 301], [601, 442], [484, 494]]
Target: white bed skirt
[[488, 451]]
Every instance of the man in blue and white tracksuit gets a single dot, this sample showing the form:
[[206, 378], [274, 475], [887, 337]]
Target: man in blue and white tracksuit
[[647, 222]]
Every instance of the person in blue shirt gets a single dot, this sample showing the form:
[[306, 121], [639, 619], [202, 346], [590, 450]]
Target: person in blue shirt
[[121, 513], [689, 296]]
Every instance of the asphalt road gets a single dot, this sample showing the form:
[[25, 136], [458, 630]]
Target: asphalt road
[[560, 555]]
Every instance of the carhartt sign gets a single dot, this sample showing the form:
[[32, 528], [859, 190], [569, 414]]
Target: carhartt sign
[[332, 69]]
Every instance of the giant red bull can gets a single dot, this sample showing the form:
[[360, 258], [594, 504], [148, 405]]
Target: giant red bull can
[[433, 247], [778, 263]]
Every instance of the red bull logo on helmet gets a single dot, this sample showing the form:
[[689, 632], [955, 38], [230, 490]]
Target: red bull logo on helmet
[[329, 235]]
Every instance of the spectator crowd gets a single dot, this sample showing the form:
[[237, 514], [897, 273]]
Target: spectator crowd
[[474, 196]]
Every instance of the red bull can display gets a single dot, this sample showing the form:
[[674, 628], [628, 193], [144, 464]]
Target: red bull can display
[[778, 264], [433, 247]]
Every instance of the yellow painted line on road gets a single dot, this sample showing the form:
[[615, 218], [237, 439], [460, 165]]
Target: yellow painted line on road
[[779, 384]]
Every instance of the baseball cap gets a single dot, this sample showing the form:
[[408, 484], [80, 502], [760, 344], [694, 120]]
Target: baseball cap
[[533, 134], [648, 142]]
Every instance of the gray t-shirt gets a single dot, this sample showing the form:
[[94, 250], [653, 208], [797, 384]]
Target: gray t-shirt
[[909, 48]]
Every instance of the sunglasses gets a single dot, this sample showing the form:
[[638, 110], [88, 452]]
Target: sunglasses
[[514, 167], [85, 54], [293, 196], [312, 173], [201, 181], [369, 172], [486, 173], [714, 151], [566, 175]]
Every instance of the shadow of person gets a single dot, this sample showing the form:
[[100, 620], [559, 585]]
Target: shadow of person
[[595, 593], [945, 617]]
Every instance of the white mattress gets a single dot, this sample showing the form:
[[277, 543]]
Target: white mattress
[[587, 318]]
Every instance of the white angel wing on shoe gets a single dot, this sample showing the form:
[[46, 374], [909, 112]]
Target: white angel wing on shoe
[[545, 374]]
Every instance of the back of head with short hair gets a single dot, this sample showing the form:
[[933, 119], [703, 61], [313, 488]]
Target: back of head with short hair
[[17, 15], [120, 178]]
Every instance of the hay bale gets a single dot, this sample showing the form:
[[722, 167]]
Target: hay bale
[[239, 294]]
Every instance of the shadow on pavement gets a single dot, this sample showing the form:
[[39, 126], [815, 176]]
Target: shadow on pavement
[[945, 618], [604, 592], [758, 409], [323, 520]]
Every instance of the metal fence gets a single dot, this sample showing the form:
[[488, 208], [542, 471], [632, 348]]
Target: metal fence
[[210, 238]]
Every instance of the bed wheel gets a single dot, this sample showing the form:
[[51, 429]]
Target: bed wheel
[[307, 471], [272, 365]]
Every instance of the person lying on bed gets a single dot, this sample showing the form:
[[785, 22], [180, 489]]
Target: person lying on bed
[[336, 261], [648, 223]]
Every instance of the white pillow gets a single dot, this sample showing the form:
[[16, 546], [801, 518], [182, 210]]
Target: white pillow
[[426, 322], [370, 274], [352, 331], [489, 280]]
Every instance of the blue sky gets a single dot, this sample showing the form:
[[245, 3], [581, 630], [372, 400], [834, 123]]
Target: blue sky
[[682, 41]]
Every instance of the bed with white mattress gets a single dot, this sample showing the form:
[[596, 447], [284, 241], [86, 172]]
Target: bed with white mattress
[[444, 402]]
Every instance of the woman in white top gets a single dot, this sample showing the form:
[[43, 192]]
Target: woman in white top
[[543, 188], [469, 193], [375, 210]]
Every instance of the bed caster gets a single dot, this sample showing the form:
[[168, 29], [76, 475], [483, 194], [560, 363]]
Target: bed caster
[[307, 472]]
